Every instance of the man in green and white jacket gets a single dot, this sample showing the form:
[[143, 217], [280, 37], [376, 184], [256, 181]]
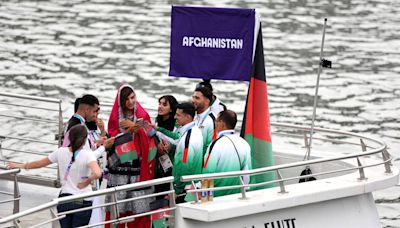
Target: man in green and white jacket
[[189, 150], [229, 152], [204, 118]]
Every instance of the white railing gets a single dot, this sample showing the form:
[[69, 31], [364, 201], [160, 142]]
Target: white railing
[[277, 169], [51, 206], [16, 196], [21, 110]]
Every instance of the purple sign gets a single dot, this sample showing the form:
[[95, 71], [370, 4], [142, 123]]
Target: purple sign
[[212, 43]]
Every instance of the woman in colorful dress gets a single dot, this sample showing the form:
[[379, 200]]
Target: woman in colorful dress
[[128, 116]]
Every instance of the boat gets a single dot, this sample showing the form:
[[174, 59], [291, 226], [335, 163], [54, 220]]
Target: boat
[[349, 167]]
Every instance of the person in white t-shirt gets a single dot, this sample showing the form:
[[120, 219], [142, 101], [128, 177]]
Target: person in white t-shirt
[[78, 168]]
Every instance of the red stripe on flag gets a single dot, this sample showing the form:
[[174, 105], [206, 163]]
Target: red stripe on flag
[[125, 148], [257, 115]]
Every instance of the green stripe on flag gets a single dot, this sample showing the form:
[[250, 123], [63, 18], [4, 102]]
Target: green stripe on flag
[[128, 156], [152, 153], [261, 156]]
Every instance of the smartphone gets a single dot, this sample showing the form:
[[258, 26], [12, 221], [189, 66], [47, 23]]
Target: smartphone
[[140, 122]]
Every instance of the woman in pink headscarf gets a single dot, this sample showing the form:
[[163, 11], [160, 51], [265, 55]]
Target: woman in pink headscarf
[[128, 116]]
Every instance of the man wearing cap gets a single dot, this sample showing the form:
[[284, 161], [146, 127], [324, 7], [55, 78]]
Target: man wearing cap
[[189, 150], [229, 152], [204, 118], [216, 105]]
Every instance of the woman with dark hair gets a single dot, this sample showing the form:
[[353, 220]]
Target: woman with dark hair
[[166, 112], [128, 117], [78, 168], [165, 124], [165, 147]]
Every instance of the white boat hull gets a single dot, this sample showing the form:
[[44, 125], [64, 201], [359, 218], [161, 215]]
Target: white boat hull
[[351, 212]]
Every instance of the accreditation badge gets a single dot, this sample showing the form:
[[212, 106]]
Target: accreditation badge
[[165, 162]]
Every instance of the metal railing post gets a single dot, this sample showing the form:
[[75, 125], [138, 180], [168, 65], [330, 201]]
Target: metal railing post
[[60, 125], [363, 146], [361, 170], [386, 157], [281, 183], [17, 195], [243, 188], [114, 209], [306, 145], [196, 196], [172, 204], [55, 223], [1, 151], [60, 136]]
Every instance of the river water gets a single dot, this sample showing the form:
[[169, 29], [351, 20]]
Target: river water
[[63, 49]]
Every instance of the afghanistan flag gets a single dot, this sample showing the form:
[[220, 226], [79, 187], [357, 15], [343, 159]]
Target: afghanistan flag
[[125, 147], [256, 126], [152, 149]]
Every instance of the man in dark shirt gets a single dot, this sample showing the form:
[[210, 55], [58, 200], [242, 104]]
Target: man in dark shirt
[[87, 109], [88, 106]]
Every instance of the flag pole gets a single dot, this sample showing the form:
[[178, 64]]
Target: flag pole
[[321, 64]]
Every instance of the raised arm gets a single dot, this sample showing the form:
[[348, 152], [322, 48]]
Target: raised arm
[[30, 165]]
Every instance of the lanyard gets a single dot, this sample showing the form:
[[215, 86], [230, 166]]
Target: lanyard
[[222, 134], [74, 155], [187, 129], [204, 118], [90, 137], [79, 117]]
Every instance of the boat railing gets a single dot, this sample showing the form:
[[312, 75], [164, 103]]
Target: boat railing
[[16, 196], [366, 150], [113, 205], [33, 121]]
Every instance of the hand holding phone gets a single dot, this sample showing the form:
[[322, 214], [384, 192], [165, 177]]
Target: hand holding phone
[[140, 122]]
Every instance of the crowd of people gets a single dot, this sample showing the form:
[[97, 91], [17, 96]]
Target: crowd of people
[[185, 138]]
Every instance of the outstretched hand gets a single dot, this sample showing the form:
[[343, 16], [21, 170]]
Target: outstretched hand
[[13, 165], [129, 126], [109, 142], [155, 127]]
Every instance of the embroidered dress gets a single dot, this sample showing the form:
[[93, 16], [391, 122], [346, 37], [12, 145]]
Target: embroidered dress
[[136, 170]]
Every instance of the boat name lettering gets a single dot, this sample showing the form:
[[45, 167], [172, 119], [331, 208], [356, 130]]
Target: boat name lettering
[[284, 223], [208, 42]]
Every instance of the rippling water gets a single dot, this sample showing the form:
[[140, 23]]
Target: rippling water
[[63, 49]]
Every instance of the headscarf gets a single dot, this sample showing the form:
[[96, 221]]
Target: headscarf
[[117, 113], [141, 139]]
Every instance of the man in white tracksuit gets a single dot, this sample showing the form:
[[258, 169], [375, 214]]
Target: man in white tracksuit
[[229, 152], [204, 118]]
